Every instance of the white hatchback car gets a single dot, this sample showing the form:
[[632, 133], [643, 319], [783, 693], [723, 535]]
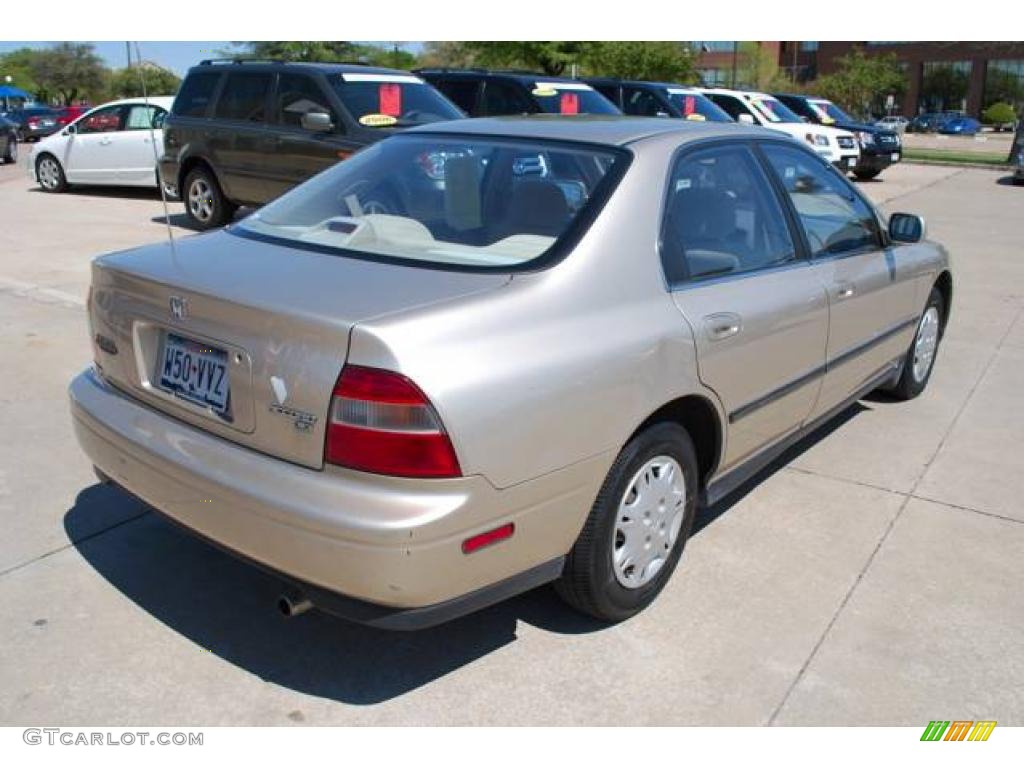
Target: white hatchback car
[[111, 144], [837, 146]]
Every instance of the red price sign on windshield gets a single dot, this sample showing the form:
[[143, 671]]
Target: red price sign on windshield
[[389, 96], [569, 104]]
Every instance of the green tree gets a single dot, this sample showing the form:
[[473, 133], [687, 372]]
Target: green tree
[[127, 83], [446, 53], [551, 57], [304, 50], [18, 65], [759, 70], [861, 83], [640, 60], [999, 113], [70, 71]]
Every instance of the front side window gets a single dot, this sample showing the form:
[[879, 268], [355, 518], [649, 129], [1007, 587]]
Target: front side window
[[102, 121], [834, 218], [462, 92], [774, 110], [298, 95], [722, 217], [444, 200], [828, 112], [244, 97], [730, 105], [637, 101], [386, 100]]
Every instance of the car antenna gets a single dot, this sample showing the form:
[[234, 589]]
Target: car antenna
[[152, 143]]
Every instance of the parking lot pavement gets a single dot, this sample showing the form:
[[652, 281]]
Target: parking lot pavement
[[872, 577]]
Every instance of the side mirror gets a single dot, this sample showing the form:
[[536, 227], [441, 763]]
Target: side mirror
[[71, 130], [745, 119], [318, 122], [906, 228]]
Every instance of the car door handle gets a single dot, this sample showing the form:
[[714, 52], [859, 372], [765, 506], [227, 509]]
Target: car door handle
[[722, 325], [104, 142], [845, 291]]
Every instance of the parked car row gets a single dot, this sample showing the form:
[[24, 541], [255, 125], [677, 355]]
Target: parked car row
[[241, 133], [8, 141]]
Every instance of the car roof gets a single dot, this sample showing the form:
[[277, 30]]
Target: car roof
[[612, 130], [737, 92], [243, 65], [160, 101], [513, 74], [640, 83]]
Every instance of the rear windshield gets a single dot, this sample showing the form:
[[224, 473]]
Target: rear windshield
[[696, 106], [386, 100], [571, 99], [444, 200], [774, 110]]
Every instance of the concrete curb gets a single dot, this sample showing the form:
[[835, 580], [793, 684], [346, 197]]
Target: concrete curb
[[955, 164]]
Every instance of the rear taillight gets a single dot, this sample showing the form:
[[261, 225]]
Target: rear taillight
[[383, 423], [33, 122]]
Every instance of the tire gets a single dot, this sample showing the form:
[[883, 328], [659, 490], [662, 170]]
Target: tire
[[867, 175], [920, 358], [205, 204], [11, 153], [50, 174], [610, 575]]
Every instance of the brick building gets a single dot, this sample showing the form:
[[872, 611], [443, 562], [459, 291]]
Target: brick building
[[967, 76]]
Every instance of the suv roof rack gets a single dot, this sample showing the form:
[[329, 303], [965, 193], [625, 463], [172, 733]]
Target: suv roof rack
[[242, 60]]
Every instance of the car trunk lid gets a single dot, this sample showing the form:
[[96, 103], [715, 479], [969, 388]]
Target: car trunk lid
[[276, 318]]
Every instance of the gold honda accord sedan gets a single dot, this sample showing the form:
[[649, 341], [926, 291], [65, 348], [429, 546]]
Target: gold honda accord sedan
[[490, 354]]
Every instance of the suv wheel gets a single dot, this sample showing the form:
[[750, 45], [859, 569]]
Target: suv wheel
[[866, 175], [637, 528], [920, 359], [205, 204], [50, 174], [11, 154]]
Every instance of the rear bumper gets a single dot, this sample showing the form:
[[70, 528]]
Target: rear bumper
[[345, 538], [169, 175]]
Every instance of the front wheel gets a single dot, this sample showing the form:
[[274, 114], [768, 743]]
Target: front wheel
[[636, 530], [920, 358], [205, 204], [50, 174]]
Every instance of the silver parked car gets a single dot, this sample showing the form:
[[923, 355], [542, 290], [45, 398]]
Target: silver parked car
[[490, 354]]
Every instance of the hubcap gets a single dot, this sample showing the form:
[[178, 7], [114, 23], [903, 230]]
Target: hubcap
[[200, 200], [48, 173], [925, 343], [649, 520]]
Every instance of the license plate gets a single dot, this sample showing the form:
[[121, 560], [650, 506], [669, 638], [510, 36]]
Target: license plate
[[46, 123], [195, 372], [851, 161], [895, 157]]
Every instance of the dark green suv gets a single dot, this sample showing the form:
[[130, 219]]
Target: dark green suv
[[242, 132]]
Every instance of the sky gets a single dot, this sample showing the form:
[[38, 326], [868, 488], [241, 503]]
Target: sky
[[175, 56]]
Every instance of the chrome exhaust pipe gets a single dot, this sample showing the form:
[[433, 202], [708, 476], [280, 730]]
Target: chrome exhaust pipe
[[291, 604]]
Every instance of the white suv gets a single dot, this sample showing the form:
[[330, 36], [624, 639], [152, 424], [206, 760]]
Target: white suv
[[754, 108]]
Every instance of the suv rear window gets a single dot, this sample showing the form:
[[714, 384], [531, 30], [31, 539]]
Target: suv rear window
[[447, 200], [195, 94], [566, 98], [386, 100]]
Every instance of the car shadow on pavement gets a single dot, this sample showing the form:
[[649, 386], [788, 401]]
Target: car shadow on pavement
[[228, 607], [127, 193], [1008, 181]]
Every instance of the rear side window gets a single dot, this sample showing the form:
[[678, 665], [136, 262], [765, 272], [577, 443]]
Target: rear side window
[[505, 99], [195, 94], [722, 217], [298, 95], [462, 92], [636, 101], [834, 218], [244, 97], [142, 117], [732, 106]]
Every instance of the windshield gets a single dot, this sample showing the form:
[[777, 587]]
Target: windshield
[[774, 110], [571, 99], [828, 112], [444, 200], [386, 100], [696, 106]]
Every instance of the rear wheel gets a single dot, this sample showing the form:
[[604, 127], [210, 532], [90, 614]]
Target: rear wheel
[[50, 174], [920, 359], [205, 203], [637, 528], [866, 175]]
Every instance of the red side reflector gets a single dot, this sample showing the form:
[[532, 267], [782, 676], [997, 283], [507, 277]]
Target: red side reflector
[[569, 104], [390, 98], [481, 540]]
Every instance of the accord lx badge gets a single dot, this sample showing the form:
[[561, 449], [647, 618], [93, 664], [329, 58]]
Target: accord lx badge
[[179, 307], [303, 421]]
